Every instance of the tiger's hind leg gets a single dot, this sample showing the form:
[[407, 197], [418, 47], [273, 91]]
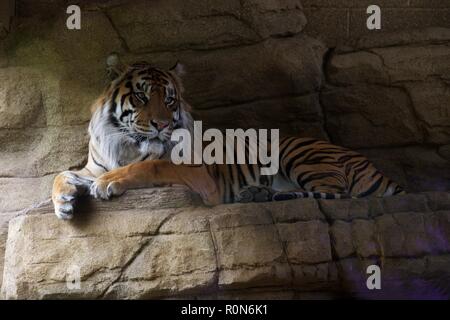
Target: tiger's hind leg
[[254, 194]]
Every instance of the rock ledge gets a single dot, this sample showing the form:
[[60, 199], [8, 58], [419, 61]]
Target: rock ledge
[[160, 243]]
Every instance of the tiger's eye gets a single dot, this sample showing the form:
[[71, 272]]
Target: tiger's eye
[[170, 101], [141, 96]]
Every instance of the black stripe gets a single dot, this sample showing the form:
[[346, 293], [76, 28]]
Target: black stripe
[[291, 161], [347, 157], [329, 196], [299, 145], [232, 182], [112, 109], [241, 177], [252, 169], [359, 174], [398, 190], [129, 85], [98, 164], [300, 176], [364, 163], [122, 99], [318, 160], [124, 114], [319, 176], [113, 99], [372, 189], [286, 145]]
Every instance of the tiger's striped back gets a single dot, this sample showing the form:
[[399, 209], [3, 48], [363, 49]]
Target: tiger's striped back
[[312, 169]]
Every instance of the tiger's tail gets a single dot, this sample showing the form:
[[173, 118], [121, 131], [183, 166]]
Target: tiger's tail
[[393, 189], [291, 195]]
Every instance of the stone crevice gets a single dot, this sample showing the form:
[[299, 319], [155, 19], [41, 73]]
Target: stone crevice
[[116, 30], [124, 268]]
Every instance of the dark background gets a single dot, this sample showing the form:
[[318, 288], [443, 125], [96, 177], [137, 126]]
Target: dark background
[[307, 67], [310, 68]]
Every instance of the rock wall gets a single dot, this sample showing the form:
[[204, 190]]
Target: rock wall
[[340, 22], [309, 68], [159, 243]]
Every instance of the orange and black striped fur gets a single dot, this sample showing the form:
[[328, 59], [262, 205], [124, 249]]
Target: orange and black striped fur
[[308, 168], [130, 148]]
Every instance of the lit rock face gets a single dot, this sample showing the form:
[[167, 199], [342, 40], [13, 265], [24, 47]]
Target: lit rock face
[[258, 64], [160, 243], [301, 66]]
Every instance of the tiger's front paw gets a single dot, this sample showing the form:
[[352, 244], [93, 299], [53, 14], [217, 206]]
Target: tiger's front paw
[[105, 187], [64, 205], [67, 187]]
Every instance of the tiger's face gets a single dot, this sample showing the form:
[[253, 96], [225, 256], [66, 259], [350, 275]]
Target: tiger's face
[[146, 103]]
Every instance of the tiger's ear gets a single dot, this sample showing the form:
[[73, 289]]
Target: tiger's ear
[[178, 69], [114, 67]]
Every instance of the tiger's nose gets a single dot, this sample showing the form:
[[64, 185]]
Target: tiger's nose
[[159, 124]]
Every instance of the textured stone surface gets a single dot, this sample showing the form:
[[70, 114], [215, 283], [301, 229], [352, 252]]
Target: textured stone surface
[[309, 68], [303, 114], [18, 193], [128, 250], [41, 152], [411, 67], [418, 168], [344, 22], [362, 116], [28, 105], [204, 24], [274, 68], [257, 69], [4, 221], [419, 73]]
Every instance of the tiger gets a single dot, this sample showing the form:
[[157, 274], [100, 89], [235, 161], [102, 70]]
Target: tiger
[[130, 143]]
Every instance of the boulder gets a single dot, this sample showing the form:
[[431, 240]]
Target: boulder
[[298, 116], [413, 63], [145, 244], [203, 24], [430, 101], [19, 193], [39, 152], [419, 69], [370, 116], [274, 68], [357, 67], [416, 168], [404, 37], [21, 101]]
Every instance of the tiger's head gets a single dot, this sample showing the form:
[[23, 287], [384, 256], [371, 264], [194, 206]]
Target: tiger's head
[[147, 102], [141, 107]]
